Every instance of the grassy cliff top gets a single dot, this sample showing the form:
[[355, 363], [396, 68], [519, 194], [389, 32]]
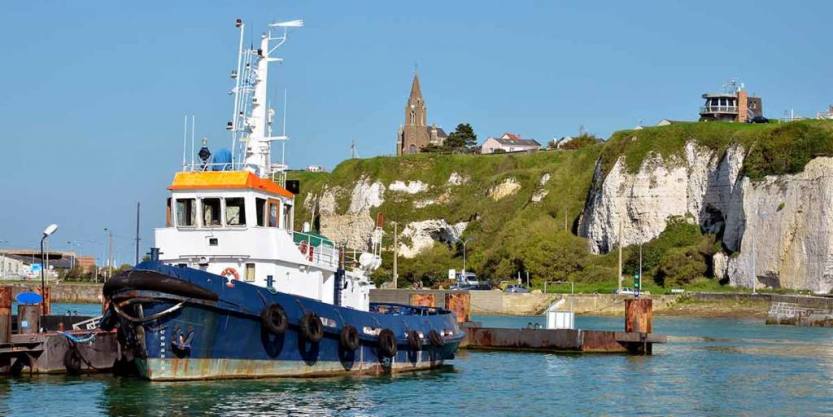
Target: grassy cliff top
[[515, 233], [772, 148], [508, 234]]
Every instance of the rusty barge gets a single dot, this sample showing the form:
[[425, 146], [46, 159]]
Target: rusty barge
[[33, 343], [637, 338]]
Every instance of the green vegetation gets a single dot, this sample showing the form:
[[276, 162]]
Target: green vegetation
[[578, 142], [515, 235], [509, 235], [461, 140], [772, 148]]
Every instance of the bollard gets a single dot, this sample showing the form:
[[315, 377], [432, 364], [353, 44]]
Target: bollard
[[5, 314], [47, 302], [423, 300], [28, 318], [638, 315], [459, 303]]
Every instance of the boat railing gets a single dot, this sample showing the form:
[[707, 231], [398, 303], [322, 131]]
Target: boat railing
[[316, 249], [200, 166]]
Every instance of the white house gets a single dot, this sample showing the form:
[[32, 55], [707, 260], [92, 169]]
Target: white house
[[13, 266], [509, 142]]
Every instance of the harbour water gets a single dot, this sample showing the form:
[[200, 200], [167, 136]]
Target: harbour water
[[709, 367]]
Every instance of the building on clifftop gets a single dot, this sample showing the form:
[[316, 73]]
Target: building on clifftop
[[415, 134], [732, 105], [507, 143]]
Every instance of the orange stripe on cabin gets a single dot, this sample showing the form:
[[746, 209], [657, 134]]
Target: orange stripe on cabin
[[226, 180]]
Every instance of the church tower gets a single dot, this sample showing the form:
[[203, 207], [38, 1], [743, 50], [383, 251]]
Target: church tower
[[415, 109], [415, 134]]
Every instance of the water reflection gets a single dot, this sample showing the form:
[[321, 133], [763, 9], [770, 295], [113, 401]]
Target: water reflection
[[710, 367], [352, 396]]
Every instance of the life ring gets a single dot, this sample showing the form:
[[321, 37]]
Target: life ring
[[307, 250], [349, 338], [230, 272], [273, 319], [435, 338], [414, 341], [311, 327], [387, 343]]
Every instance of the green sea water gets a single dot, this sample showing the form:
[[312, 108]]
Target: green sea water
[[711, 367]]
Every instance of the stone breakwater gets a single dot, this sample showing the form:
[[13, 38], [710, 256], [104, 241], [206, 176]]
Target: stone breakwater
[[500, 303], [65, 292]]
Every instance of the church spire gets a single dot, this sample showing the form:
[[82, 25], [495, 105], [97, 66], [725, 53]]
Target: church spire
[[416, 93]]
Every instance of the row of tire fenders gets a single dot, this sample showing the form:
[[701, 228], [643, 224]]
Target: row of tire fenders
[[274, 320]]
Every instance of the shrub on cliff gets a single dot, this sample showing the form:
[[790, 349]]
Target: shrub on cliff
[[787, 148], [678, 255], [680, 266]]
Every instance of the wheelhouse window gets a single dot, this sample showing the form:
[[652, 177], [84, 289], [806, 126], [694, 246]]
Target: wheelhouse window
[[287, 217], [250, 272], [211, 212], [186, 212], [236, 211], [273, 213], [168, 213], [260, 209]]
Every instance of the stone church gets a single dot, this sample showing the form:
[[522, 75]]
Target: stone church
[[415, 134]]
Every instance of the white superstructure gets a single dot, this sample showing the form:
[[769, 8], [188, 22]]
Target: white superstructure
[[229, 216]]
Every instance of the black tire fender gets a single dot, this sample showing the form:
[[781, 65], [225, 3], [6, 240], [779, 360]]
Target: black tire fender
[[349, 338], [387, 343], [311, 328], [273, 319], [72, 361], [435, 338], [414, 341]]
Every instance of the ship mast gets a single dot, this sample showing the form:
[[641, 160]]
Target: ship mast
[[252, 121]]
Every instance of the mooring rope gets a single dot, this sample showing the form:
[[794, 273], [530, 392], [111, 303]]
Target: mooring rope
[[89, 338]]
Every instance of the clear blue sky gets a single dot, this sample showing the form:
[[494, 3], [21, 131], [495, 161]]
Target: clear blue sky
[[94, 92]]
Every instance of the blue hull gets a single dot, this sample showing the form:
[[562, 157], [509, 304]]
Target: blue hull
[[176, 334]]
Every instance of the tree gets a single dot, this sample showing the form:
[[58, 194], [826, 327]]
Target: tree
[[580, 141], [462, 139]]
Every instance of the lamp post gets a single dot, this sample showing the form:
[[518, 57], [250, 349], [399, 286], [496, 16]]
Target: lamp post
[[465, 242], [46, 232], [109, 271]]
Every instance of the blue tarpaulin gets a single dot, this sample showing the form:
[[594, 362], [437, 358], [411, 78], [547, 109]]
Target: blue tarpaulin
[[222, 160], [28, 297]]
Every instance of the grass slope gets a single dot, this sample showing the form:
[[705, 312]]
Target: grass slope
[[515, 235], [773, 148], [504, 233]]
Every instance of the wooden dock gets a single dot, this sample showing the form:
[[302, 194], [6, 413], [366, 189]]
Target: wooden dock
[[53, 352], [559, 340], [636, 339]]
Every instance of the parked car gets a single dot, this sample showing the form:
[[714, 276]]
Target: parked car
[[465, 287], [515, 288], [625, 291], [759, 119]]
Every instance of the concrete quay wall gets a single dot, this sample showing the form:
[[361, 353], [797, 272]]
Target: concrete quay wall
[[501, 303], [64, 292]]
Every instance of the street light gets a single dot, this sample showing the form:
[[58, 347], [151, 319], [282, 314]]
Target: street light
[[46, 232], [465, 242], [297, 23]]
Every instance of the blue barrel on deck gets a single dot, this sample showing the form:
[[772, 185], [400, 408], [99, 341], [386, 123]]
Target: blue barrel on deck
[[222, 160]]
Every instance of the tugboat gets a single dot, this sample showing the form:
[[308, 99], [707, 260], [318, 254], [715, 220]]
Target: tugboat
[[232, 291]]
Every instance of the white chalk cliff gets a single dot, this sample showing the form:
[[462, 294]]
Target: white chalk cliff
[[355, 226], [782, 222]]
